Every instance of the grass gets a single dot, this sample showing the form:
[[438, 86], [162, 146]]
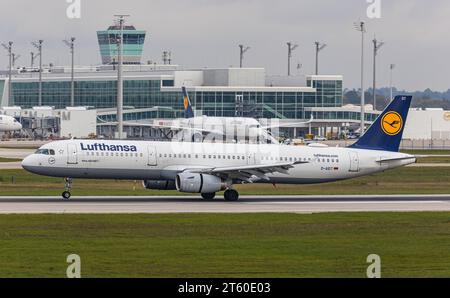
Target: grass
[[5, 159], [409, 180], [427, 152], [226, 245], [437, 159]]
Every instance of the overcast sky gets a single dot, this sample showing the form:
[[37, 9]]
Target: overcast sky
[[206, 33]]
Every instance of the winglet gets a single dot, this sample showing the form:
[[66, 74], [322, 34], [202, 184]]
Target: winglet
[[188, 112]]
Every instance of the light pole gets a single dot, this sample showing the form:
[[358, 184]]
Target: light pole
[[360, 26], [243, 50], [291, 48], [319, 47], [391, 67], [38, 45], [14, 59], [33, 56], [121, 19], [71, 44], [376, 46], [8, 47]]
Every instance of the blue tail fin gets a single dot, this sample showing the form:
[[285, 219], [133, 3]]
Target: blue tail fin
[[386, 132], [188, 112]]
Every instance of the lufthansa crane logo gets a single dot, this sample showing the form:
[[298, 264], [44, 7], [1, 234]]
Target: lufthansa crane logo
[[392, 123], [186, 102]]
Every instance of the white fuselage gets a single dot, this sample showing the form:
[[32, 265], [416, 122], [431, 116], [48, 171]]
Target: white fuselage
[[8, 123], [145, 160]]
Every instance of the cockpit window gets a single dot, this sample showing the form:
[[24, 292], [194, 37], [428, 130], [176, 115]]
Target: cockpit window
[[45, 151]]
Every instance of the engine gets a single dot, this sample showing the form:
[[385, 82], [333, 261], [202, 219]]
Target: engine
[[159, 184], [198, 183]]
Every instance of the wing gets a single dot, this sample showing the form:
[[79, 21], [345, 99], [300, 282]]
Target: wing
[[175, 127], [250, 173], [288, 124]]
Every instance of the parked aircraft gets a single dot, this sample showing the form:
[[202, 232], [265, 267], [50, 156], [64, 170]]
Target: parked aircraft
[[8, 123]]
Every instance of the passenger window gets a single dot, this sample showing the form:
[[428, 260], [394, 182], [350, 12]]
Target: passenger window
[[52, 152]]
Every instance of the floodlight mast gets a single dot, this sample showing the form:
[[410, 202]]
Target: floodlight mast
[[15, 57], [121, 20], [38, 45], [376, 47], [391, 67], [360, 26], [8, 47], [319, 47], [33, 57], [71, 44], [243, 50], [291, 48]]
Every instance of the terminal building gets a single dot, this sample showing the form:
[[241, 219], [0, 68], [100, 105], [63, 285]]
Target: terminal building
[[152, 92]]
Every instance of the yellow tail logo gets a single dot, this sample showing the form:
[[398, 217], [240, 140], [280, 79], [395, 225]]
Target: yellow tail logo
[[392, 123]]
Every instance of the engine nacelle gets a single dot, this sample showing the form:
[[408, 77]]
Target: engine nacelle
[[159, 184], [199, 183]]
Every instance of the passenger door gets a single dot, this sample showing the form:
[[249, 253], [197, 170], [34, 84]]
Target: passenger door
[[354, 161], [72, 156], [151, 151]]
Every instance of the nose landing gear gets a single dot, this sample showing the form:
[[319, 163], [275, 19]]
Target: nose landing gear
[[67, 187]]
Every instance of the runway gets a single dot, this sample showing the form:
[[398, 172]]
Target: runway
[[246, 204]]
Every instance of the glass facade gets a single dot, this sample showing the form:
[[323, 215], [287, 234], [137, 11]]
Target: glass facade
[[341, 115], [150, 93], [329, 92]]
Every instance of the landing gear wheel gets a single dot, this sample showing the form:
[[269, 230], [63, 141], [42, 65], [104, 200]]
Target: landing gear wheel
[[231, 195], [67, 187], [208, 196]]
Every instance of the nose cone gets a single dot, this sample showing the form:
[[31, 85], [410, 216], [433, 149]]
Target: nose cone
[[18, 126], [28, 163]]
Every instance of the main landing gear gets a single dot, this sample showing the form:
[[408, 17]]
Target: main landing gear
[[231, 195], [67, 187], [208, 196]]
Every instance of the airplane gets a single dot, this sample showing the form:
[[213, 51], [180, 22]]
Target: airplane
[[206, 168], [8, 123], [193, 127]]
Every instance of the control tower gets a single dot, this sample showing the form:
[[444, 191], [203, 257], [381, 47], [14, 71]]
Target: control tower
[[133, 43]]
